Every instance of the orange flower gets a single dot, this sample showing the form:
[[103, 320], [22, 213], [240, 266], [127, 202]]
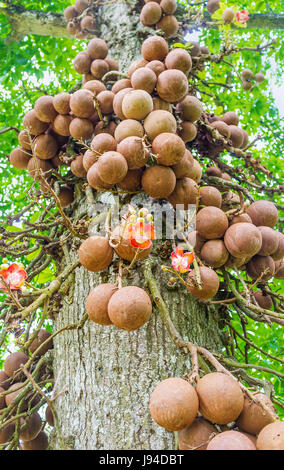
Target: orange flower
[[181, 261], [13, 275], [138, 231], [242, 16]]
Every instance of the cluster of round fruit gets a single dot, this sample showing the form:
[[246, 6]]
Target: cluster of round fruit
[[246, 241], [248, 77], [160, 13], [217, 399], [230, 132], [81, 21], [12, 380]]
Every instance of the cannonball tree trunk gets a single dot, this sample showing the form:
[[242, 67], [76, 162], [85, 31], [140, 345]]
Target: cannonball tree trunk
[[109, 373]]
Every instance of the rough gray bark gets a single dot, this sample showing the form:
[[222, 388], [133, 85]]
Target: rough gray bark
[[110, 373], [25, 22]]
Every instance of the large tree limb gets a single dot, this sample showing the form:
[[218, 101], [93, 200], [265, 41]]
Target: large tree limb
[[25, 22]]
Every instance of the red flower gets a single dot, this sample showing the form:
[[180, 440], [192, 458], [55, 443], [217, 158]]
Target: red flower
[[13, 275], [242, 16], [140, 234], [181, 261]]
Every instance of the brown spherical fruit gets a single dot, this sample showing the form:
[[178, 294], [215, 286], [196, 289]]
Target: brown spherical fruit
[[81, 129], [136, 65], [279, 253], [174, 404], [34, 125], [154, 48], [222, 128], [158, 122], [238, 219], [95, 86], [2, 399], [270, 240], [66, 196], [102, 143], [194, 49], [214, 171], [212, 6], [236, 136], [187, 131], [231, 440], [44, 109], [112, 167], [82, 63], [20, 158], [168, 148], [195, 172], [158, 104], [190, 109], [97, 48], [97, 303], [158, 181], [120, 85], [261, 267], [99, 68], [137, 104], [134, 151], [6, 433], [4, 380], [33, 425], [220, 397], [210, 196], [94, 180], [129, 308], [49, 416], [242, 240], [39, 443], [112, 64], [45, 146], [102, 127], [228, 15], [172, 85], [70, 13], [264, 301], [263, 213], [82, 103], [168, 6], [144, 79], [279, 269], [105, 101], [230, 118], [253, 417], [61, 124], [88, 22], [25, 139], [13, 363], [183, 167], [245, 139], [117, 102], [123, 247], [271, 437], [184, 194], [168, 24], [197, 435], [128, 128], [211, 222], [14, 390], [259, 77], [95, 253], [209, 284], [77, 167], [36, 167], [179, 59], [214, 253], [132, 181], [195, 241], [43, 335], [150, 13], [156, 66]]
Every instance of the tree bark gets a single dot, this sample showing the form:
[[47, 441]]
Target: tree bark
[[25, 22], [110, 373]]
